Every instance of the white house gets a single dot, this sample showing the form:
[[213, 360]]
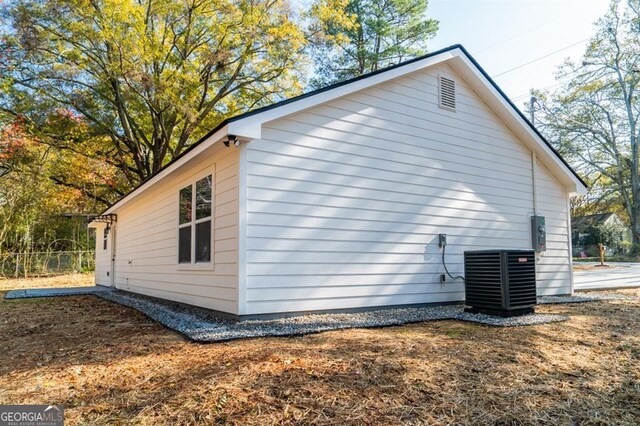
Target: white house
[[335, 199], [580, 231]]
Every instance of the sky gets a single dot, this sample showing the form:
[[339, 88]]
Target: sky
[[506, 34]]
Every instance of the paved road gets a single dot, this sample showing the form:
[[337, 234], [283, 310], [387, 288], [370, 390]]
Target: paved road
[[619, 275]]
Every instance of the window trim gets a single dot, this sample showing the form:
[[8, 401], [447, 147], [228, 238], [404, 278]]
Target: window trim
[[193, 265]]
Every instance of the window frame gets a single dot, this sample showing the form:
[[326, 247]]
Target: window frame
[[105, 238], [193, 265]]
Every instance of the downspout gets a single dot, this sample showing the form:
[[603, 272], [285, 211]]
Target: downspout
[[242, 230], [533, 183], [569, 239], [534, 192]]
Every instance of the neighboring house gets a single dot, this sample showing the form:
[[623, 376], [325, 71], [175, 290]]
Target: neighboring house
[[335, 199], [580, 230]]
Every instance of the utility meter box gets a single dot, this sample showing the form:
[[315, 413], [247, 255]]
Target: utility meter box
[[538, 233]]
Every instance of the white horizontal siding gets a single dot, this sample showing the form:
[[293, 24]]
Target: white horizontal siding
[[146, 255], [345, 200], [552, 204]]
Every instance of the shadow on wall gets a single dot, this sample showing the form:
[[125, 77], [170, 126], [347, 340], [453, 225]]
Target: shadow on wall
[[357, 217]]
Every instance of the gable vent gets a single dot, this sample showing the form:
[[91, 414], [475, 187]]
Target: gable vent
[[446, 93]]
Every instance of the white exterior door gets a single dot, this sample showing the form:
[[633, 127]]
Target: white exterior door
[[112, 258]]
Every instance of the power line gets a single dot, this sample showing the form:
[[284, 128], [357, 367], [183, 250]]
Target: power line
[[540, 58], [525, 95], [519, 34], [550, 86]]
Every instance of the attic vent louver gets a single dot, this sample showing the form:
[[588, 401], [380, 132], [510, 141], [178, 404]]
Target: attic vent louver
[[446, 93]]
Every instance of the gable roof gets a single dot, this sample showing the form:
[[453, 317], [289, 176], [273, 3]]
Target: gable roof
[[591, 220], [248, 125]]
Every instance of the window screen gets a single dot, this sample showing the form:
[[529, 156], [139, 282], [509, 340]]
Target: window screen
[[186, 205], [184, 245], [203, 198], [203, 241]]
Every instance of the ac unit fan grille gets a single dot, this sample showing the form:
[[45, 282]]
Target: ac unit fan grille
[[500, 281]]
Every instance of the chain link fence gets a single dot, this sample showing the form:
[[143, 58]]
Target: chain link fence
[[38, 264]]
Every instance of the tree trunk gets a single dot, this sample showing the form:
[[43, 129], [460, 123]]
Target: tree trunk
[[601, 248]]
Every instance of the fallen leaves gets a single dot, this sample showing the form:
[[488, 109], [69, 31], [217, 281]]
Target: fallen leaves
[[110, 364]]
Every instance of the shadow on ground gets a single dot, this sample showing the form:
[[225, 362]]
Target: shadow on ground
[[110, 364]]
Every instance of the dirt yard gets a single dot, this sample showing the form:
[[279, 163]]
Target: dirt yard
[[110, 365], [591, 267], [69, 280]]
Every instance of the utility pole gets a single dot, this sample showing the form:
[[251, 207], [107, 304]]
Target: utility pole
[[532, 110]]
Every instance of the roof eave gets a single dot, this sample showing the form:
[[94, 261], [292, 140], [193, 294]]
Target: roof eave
[[208, 141], [249, 125], [489, 91]]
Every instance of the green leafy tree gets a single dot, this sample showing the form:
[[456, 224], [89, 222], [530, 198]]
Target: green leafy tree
[[604, 235], [146, 77], [594, 119], [601, 197], [369, 35], [608, 235], [34, 208]]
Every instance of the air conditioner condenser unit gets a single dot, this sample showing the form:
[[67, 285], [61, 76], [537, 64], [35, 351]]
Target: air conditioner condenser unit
[[500, 282]]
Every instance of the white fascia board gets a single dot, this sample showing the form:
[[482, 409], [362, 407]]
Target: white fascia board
[[516, 123], [251, 127], [217, 136]]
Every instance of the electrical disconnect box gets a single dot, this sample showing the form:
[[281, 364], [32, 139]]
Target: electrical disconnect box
[[538, 233]]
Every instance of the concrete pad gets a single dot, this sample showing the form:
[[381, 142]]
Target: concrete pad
[[620, 275]]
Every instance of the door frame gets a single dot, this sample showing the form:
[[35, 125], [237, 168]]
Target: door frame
[[112, 256]]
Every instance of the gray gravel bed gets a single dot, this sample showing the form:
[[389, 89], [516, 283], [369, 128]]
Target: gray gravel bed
[[54, 292], [586, 297], [202, 326], [522, 320], [608, 296]]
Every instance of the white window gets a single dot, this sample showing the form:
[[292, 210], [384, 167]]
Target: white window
[[194, 222], [105, 236]]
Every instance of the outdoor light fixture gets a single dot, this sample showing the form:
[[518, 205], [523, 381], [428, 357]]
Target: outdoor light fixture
[[231, 139]]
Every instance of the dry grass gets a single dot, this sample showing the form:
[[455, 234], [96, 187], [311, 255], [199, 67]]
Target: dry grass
[[592, 267], [68, 280], [109, 364]]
